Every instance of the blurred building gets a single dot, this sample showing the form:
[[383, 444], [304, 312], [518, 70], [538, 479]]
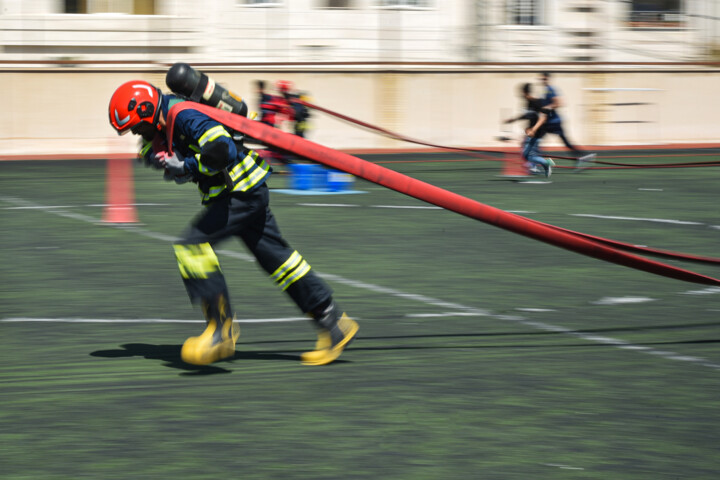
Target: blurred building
[[239, 31]]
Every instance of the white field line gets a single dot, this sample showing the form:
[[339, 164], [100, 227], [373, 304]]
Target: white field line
[[327, 205], [589, 215], [419, 207], [562, 467], [704, 291], [407, 207], [345, 205], [622, 300], [129, 205], [45, 207], [38, 207], [636, 219], [24, 206], [144, 320], [621, 344]]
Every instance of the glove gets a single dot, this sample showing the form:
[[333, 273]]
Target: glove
[[159, 147], [152, 160], [171, 163], [215, 155], [179, 179]]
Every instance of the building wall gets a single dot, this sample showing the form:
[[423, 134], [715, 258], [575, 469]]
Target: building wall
[[65, 111], [301, 30]]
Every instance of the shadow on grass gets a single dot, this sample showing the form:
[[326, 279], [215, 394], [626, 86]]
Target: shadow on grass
[[528, 333], [170, 354]]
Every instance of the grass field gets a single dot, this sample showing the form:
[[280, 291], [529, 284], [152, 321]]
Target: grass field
[[481, 353]]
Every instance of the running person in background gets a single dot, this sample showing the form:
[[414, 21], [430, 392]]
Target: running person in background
[[537, 118], [235, 196], [553, 101]]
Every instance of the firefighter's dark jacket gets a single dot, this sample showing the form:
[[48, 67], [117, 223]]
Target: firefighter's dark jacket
[[195, 131]]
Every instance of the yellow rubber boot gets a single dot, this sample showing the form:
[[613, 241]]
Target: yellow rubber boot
[[217, 341], [212, 345], [327, 348], [324, 341]]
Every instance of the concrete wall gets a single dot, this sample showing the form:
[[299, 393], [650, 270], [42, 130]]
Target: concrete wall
[[64, 111]]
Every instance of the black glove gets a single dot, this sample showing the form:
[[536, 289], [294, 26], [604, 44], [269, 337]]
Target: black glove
[[215, 155], [179, 179]]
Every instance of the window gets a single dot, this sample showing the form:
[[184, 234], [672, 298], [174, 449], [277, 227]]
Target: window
[[134, 7], [404, 3], [656, 13], [524, 12], [75, 6], [336, 4]]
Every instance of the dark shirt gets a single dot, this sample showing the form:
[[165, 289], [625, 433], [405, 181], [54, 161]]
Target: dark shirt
[[533, 109], [550, 95]]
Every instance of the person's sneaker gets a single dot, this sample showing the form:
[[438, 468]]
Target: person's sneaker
[[582, 162], [534, 170], [548, 168], [215, 343], [335, 332]]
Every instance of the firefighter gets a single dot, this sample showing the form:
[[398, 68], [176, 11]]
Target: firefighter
[[266, 104], [273, 109], [232, 184], [294, 110]]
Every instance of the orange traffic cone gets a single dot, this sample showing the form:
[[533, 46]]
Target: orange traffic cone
[[514, 166], [119, 192]]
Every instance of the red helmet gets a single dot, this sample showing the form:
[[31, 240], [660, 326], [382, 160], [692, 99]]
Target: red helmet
[[283, 85], [134, 102]]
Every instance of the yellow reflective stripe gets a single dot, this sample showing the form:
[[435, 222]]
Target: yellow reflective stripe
[[243, 167], [252, 171], [245, 175], [294, 268], [212, 134], [264, 165], [203, 169], [299, 273], [215, 191], [196, 261], [289, 264], [251, 180], [247, 164], [146, 148]]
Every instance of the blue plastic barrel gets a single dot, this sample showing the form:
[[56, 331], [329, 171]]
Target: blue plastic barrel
[[339, 181], [304, 176]]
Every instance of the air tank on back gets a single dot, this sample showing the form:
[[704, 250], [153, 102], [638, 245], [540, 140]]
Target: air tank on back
[[184, 80]]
